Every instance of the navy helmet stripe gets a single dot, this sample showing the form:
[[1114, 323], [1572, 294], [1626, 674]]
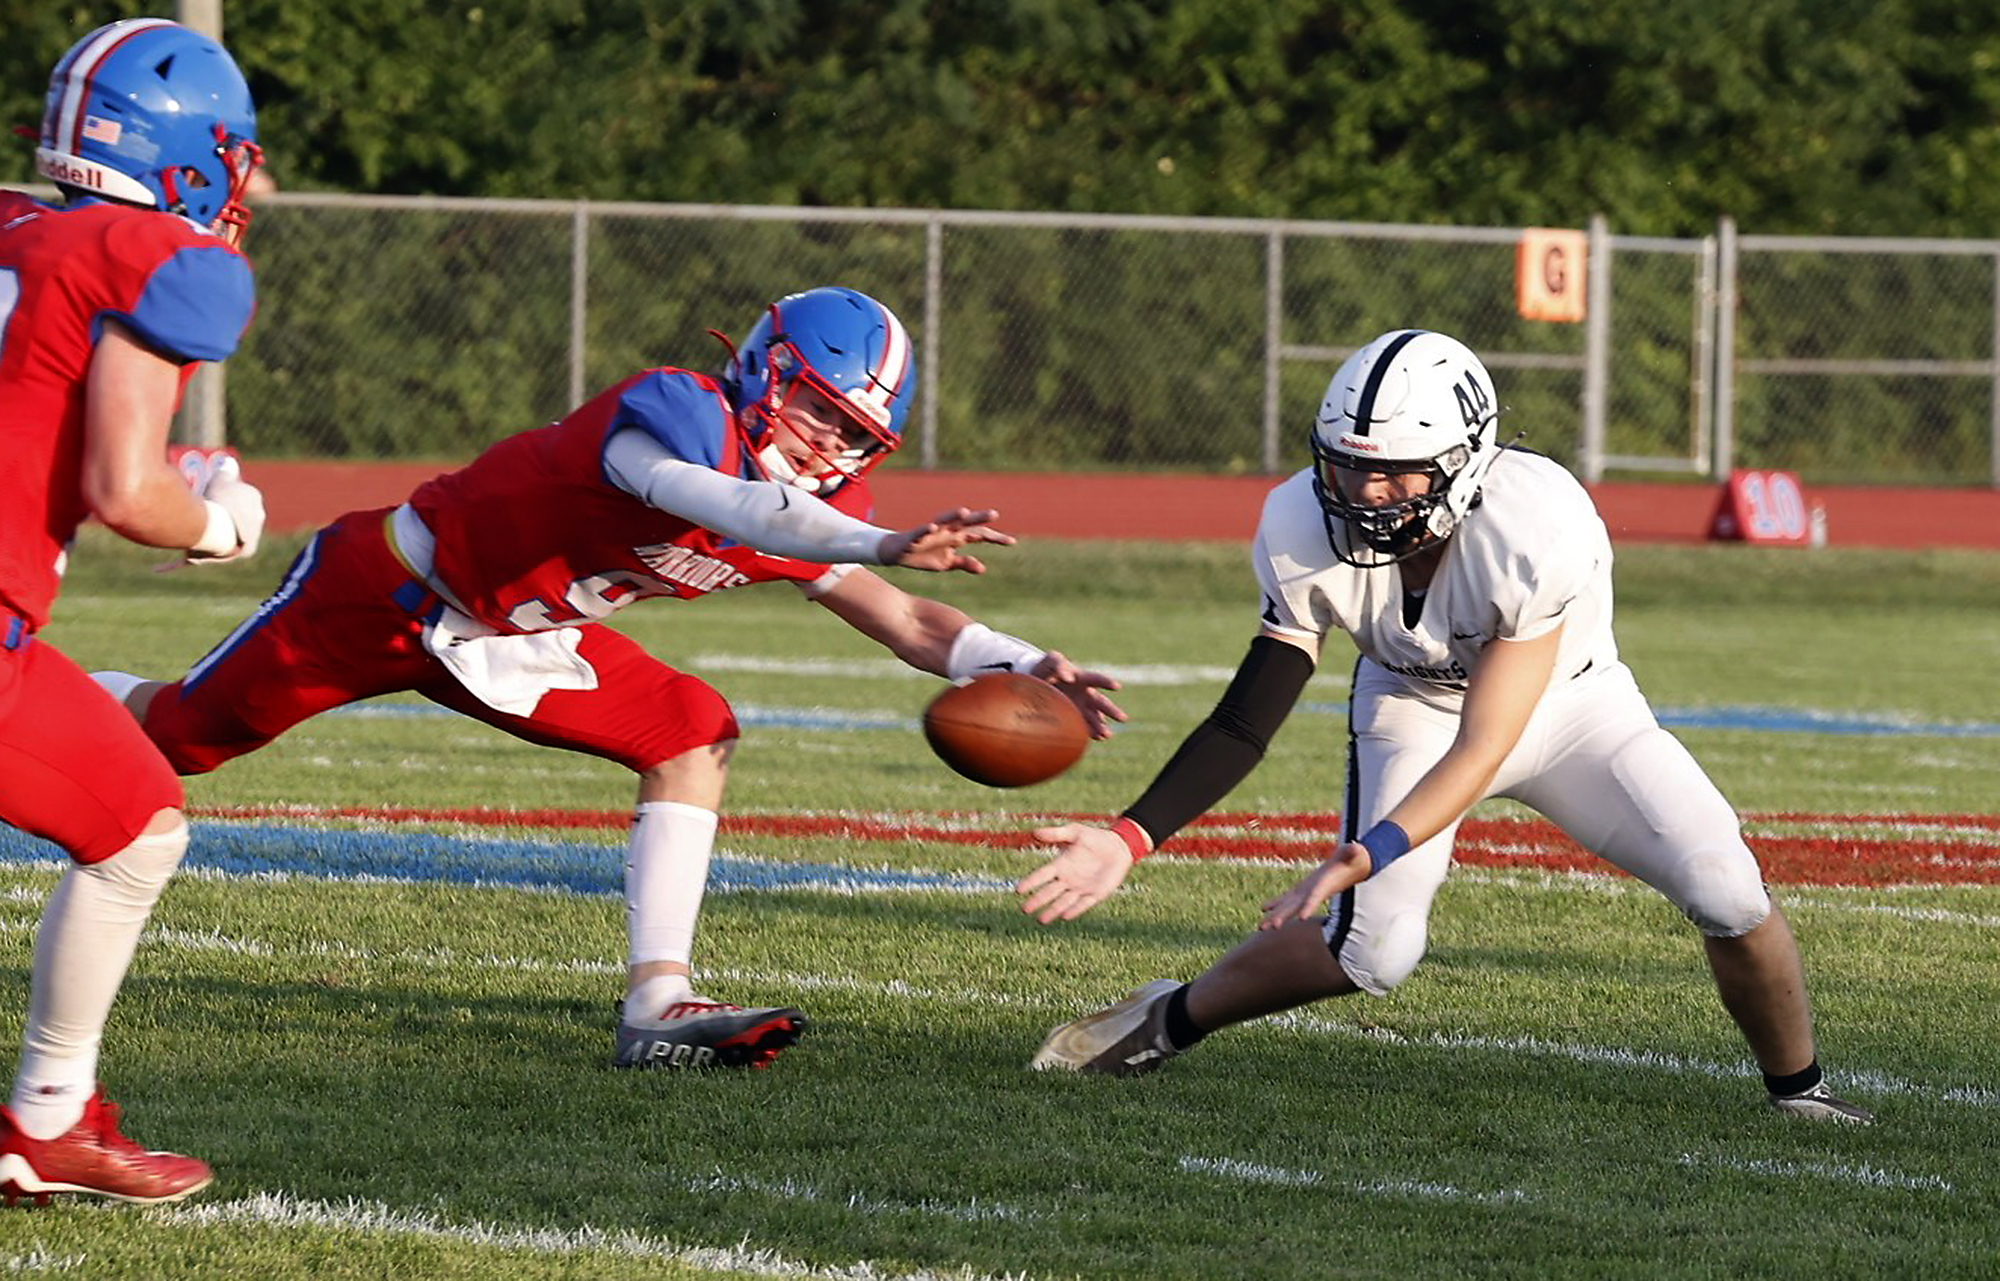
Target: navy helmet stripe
[[1364, 410], [1340, 912]]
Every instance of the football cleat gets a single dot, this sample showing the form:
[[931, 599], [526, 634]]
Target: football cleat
[[1127, 1039], [1822, 1104], [92, 1158], [699, 1033]]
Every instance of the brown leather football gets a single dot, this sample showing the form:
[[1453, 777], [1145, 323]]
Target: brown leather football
[[1006, 730]]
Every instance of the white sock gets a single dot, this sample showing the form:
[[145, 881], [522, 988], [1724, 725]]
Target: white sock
[[118, 684], [666, 872], [651, 998], [89, 931]]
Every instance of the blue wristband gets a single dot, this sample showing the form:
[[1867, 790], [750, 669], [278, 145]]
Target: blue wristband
[[1385, 842]]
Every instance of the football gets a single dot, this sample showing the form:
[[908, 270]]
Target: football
[[1006, 730]]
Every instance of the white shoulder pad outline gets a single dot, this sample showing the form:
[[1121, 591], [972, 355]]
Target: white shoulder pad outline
[[1290, 553]]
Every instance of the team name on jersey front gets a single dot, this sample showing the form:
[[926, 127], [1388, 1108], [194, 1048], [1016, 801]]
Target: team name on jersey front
[[675, 570], [690, 568]]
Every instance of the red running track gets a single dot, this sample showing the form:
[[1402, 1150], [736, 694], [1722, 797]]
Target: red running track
[[304, 495]]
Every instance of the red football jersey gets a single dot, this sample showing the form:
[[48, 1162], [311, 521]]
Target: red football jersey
[[63, 271], [533, 535]]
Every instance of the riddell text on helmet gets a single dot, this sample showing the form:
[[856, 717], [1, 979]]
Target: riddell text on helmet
[[58, 169]]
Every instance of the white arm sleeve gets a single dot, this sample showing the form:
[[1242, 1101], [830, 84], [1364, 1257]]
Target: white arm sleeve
[[774, 518]]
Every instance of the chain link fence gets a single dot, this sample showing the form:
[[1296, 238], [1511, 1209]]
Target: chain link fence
[[428, 328], [1862, 360]]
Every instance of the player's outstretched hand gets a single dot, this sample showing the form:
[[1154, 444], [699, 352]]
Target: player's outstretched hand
[[1085, 689], [1090, 863], [1347, 866], [934, 545]]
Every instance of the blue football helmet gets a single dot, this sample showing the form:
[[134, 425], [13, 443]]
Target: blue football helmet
[[848, 347], [147, 112]]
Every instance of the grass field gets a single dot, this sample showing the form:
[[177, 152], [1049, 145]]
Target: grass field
[[380, 998]]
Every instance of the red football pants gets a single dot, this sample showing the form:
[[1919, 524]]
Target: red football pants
[[347, 623], [74, 767]]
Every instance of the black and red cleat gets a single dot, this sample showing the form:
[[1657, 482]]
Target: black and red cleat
[[698, 1033], [93, 1158]]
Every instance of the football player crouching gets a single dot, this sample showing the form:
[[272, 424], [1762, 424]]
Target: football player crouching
[[1475, 582], [487, 592]]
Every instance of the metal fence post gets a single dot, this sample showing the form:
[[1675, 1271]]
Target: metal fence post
[[1701, 371], [1725, 348], [1993, 467], [1596, 349], [1274, 341], [203, 418], [579, 297], [933, 311]]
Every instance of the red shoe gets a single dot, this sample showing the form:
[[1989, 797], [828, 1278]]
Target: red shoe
[[94, 1159]]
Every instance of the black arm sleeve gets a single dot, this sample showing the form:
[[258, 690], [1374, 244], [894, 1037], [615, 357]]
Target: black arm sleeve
[[1223, 749]]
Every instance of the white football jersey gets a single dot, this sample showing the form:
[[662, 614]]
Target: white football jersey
[[1533, 554]]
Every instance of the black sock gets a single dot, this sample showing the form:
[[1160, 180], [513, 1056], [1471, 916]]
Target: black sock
[[1181, 1030], [1794, 1083]]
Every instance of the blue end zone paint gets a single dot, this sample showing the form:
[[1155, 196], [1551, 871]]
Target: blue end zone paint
[[434, 858], [1792, 720], [1777, 720]]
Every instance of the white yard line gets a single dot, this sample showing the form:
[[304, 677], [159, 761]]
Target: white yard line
[[277, 1209], [1820, 898], [1252, 1172], [790, 1189], [896, 989], [1929, 915], [1619, 1056], [1865, 1175], [39, 1260]]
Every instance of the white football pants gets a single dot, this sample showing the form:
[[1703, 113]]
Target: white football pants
[[1592, 759]]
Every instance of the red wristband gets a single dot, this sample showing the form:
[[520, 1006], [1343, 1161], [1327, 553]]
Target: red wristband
[[1134, 837]]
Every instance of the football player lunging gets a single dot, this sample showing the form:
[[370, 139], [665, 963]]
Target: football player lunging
[[107, 301], [486, 590], [1476, 582]]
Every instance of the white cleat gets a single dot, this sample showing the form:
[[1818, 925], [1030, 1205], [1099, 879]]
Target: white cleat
[[1125, 1040], [1822, 1104]]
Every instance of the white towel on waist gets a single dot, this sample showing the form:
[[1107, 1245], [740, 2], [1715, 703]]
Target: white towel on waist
[[508, 673]]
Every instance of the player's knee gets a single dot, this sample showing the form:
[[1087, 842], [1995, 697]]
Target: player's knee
[[189, 759], [706, 716], [709, 762], [1725, 895], [123, 686], [143, 868], [1380, 960], [166, 822], [194, 739]]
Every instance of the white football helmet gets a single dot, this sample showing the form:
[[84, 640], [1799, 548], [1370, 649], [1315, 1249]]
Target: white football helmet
[[1410, 402]]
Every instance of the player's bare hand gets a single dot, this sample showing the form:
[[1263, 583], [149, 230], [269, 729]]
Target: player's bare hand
[[934, 545], [1085, 689], [1089, 863], [1347, 866]]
